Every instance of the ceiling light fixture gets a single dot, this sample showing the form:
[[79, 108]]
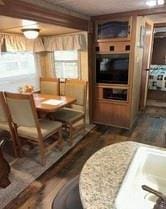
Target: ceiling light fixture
[[160, 2], [153, 3], [31, 33]]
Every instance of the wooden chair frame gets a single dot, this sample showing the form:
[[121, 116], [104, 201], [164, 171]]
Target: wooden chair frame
[[57, 80], [15, 142], [41, 139], [70, 125]]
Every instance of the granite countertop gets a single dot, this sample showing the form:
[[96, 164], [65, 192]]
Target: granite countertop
[[103, 173]]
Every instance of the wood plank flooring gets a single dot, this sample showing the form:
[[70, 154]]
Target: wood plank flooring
[[150, 128]]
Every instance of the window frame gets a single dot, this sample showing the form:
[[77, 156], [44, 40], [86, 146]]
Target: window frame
[[78, 61]]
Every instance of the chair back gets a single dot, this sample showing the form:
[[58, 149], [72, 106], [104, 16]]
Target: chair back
[[22, 109], [77, 89], [50, 86], [4, 111]]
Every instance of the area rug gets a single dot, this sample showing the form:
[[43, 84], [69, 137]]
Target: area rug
[[27, 169]]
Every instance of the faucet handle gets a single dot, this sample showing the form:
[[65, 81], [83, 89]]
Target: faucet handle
[[161, 201], [155, 192]]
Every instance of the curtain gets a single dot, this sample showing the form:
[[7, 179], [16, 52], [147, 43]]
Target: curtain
[[76, 41], [18, 43]]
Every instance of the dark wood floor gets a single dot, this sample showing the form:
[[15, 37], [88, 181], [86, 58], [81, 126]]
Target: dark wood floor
[[150, 128]]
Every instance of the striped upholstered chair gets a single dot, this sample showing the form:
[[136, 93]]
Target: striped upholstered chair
[[29, 126], [72, 115]]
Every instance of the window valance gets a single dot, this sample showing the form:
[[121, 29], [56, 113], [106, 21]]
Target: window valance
[[77, 41], [16, 43]]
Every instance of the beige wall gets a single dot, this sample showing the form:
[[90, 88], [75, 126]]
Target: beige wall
[[46, 62], [84, 65]]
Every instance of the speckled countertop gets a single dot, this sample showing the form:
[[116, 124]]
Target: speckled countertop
[[103, 173]]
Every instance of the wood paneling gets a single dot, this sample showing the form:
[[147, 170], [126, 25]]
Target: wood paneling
[[145, 64], [24, 10], [113, 47], [136, 62], [114, 114]]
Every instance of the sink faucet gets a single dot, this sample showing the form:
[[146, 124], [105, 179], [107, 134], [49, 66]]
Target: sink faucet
[[161, 201]]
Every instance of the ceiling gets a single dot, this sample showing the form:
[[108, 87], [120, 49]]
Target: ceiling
[[159, 18], [14, 25], [97, 7]]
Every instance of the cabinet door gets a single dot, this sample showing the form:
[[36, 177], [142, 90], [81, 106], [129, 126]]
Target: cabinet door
[[114, 29], [111, 114]]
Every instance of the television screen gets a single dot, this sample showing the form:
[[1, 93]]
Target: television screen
[[112, 68]]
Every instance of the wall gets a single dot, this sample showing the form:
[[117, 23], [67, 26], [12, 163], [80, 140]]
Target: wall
[[159, 51], [138, 54], [46, 64], [84, 65]]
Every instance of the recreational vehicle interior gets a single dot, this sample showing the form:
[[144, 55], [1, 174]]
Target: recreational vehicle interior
[[82, 104]]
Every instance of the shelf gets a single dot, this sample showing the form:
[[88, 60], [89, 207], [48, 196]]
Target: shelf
[[118, 102], [118, 86], [113, 52], [113, 40]]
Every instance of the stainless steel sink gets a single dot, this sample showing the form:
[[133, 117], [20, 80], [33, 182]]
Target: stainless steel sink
[[148, 167]]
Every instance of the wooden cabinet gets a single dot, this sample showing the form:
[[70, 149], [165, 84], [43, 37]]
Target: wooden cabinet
[[111, 113], [116, 100], [113, 47], [117, 29]]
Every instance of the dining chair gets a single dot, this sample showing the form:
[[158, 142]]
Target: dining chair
[[6, 123], [70, 116], [50, 86], [29, 126]]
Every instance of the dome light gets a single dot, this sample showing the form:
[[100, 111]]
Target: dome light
[[31, 33], [153, 3]]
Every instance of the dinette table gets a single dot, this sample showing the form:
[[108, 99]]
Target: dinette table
[[51, 103]]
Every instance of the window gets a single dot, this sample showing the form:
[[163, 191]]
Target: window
[[16, 70], [67, 64]]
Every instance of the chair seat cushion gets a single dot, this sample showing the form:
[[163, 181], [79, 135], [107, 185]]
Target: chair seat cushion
[[4, 126], [48, 127], [68, 115]]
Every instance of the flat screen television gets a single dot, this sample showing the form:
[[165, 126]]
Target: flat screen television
[[112, 68]]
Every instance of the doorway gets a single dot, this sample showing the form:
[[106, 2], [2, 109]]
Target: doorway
[[153, 84]]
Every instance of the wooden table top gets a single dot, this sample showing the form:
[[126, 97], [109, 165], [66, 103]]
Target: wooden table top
[[51, 103]]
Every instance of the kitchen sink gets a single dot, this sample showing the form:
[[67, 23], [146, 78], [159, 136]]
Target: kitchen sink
[[148, 167]]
